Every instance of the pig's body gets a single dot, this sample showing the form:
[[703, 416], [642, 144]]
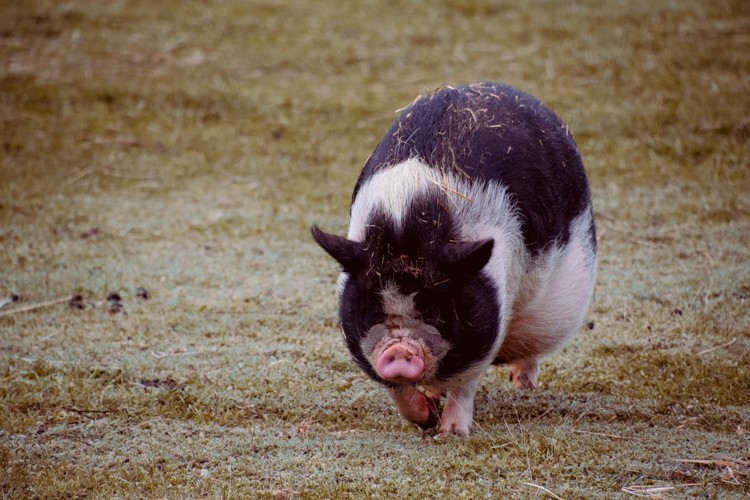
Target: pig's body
[[471, 242]]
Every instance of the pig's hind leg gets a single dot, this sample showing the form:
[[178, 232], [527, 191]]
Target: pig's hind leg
[[551, 313]]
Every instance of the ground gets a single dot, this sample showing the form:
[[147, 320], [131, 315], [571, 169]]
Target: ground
[[176, 153]]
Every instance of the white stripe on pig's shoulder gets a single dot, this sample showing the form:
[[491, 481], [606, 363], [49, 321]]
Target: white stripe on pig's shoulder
[[392, 189]]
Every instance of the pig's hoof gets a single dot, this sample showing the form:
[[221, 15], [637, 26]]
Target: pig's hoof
[[523, 374], [453, 428], [522, 381], [455, 421]]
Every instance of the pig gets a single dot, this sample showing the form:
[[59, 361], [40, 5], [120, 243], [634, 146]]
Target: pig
[[471, 242]]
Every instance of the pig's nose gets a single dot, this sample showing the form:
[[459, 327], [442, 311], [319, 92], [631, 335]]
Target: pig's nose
[[400, 362]]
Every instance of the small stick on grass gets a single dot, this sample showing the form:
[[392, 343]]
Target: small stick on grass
[[91, 414], [707, 256], [31, 307], [728, 459], [643, 243], [720, 463], [647, 491], [84, 411], [654, 491], [546, 412], [278, 362], [544, 490], [712, 349], [614, 436], [160, 355]]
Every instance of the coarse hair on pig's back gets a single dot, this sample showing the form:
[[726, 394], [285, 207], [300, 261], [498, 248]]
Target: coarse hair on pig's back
[[493, 132]]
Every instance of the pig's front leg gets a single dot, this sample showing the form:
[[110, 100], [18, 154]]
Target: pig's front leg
[[458, 413], [416, 406]]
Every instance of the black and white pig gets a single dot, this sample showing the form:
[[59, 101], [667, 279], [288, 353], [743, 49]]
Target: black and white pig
[[471, 243]]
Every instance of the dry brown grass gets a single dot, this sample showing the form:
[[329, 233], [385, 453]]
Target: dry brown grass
[[186, 148]]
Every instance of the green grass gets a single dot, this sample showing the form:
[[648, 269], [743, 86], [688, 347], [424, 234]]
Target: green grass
[[187, 147]]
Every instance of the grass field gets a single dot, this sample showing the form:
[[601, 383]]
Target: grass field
[[186, 147]]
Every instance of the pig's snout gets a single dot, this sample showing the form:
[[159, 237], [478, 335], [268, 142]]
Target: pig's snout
[[400, 362]]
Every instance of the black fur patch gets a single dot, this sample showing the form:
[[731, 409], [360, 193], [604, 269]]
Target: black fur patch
[[409, 255], [492, 131]]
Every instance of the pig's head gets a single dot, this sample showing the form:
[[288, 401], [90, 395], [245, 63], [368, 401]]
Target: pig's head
[[403, 307]]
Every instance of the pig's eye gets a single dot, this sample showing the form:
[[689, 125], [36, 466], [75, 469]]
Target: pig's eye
[[432, 316], [429, 311], [408, 286]]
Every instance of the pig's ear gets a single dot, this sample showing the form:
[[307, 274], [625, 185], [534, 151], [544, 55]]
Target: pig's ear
[[348, 253], [466, 258]]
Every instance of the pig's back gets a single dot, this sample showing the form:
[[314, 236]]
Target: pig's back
[[492, 132]]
